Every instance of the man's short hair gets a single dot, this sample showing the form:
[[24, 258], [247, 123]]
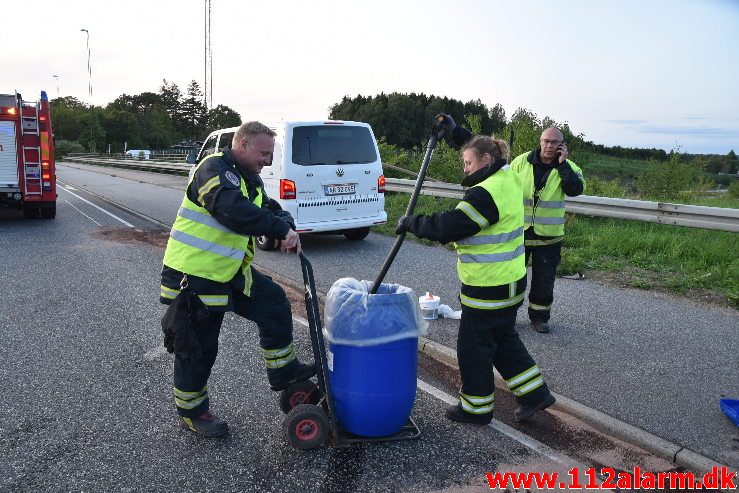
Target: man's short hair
[[247, 130]]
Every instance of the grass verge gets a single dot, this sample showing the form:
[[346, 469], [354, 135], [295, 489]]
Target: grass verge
[[699, 264]]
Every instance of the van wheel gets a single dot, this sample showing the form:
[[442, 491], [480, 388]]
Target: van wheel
[[356, 234], [266, 244]]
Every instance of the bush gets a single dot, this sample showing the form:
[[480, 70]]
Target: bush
[[666, 180], [605, 188], [445, 165], [66, 147], [734, 189]]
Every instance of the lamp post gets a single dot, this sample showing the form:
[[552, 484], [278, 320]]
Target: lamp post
[[89, 84], [57, 84]]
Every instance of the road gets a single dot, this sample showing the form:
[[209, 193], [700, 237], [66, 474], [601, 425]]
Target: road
[[88, 385], [655, 361]]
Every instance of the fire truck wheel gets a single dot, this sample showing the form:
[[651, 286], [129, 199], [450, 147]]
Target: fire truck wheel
[[30, 211], [48, 211]]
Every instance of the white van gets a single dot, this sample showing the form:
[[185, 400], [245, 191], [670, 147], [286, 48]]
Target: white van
[[327, 174]]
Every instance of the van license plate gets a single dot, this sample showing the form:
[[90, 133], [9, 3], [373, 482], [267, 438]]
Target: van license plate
[[339, 189]]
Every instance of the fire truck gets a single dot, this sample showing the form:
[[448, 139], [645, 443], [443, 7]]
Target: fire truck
[[27, 171]]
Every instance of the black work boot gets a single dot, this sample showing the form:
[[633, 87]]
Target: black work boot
[[207, 424], [539, 326], [524, 412], [456, 413], [302, 371]]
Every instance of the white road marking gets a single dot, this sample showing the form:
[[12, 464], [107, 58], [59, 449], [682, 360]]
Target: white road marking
[[513, 433], [503, 428], [88, 217], [98, 207]]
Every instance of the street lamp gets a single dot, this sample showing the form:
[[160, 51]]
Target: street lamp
[[57, 84], [89, 83]]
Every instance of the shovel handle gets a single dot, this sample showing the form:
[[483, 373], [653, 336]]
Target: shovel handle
[[437, 132]]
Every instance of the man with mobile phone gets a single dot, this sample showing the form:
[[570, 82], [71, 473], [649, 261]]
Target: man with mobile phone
[[547, 176]]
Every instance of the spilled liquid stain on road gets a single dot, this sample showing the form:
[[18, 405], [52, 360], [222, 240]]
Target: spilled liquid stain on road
[[154, 237]]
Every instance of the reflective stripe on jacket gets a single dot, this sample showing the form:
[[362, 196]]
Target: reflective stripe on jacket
[[495, 255], [202, 246], [545, 208]]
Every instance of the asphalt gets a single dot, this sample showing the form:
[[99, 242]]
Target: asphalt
[[657, 362], [87, 387]]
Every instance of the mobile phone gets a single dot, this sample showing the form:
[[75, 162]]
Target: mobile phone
[[559, 152]]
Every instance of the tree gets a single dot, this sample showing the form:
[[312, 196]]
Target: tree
[[527, 128], [404, 120], [92, 133], [157, 131], [121, 127], [667, 179], [193, 112], [66, 117], [155, 127], [171, 97], [497, 118], [222, 117], [474, 123]]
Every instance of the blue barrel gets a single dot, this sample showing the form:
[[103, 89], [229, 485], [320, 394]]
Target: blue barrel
[[373, 357], [374, 387]]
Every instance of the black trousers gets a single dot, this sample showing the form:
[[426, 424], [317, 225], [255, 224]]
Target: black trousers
[[269, 308], [544, 262], [488, 338]]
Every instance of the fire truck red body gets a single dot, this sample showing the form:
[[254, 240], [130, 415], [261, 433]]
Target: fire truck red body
[[27, 170]]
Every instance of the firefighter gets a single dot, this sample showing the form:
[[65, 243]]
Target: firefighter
[[487, 230], [210, 249], [547, 176]]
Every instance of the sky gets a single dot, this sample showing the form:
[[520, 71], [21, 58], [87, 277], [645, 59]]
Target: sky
[[635, 73]]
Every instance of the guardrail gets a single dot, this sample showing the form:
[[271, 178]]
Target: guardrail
[[696, 216], [128, 163], [168, 157]]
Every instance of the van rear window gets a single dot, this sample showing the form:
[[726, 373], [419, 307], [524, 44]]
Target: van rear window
[[324, 144]]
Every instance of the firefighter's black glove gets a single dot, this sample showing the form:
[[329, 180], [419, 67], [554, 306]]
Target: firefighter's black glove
[[402, 225], [446, 122]]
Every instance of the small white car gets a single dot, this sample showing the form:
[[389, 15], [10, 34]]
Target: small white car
[[138, 154], [327, 174]]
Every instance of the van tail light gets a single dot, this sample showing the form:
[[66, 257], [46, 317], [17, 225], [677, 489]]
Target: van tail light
[[381, 184], [288, 189]]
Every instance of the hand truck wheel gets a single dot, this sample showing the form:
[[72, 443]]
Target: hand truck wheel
[[303, 392], [306, 426]]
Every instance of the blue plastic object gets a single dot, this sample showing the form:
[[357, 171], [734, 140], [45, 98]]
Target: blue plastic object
[[730, 407], [372, 355], [374, 387]]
